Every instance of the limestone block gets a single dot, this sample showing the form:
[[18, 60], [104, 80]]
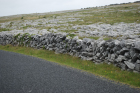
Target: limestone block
[[129, 64]]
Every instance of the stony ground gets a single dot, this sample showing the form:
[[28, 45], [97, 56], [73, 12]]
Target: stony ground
[[120, 21]]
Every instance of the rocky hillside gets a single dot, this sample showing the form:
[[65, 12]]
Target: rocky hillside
[[107, 22], [75, 32]]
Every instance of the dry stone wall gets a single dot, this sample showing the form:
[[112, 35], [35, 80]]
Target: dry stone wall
[[122, 53]]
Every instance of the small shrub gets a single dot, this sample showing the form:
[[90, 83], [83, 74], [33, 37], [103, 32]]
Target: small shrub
[[44, 16], [126, 7]]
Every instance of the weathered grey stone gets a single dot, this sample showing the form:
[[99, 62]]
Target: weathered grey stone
[[83, 58], [84, 53], [102, 49], [109, 56], [122, 44], [139, 56], [121, 58], [108, 49], [99, 61], [128, 69], [132, 52], [95, 58], [111, 45], [128, 45], [129, 64], [86, 40], [137, 44], [123, 66], [50, 49], [136, 71], [138, 61], [90, 54], [127, 55], [105, 54], [135, 57], [89, 58], [117, 42], [137, 67], [98, 54], [113, 56], [123, 50], [89, 50], [101, 43]]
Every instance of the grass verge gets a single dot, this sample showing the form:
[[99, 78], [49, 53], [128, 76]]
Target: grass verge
[[104, 70]]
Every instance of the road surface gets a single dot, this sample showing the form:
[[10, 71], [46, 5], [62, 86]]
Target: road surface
[[25, 74]]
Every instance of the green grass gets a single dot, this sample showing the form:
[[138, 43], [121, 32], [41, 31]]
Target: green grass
[[71, 35], [95, 38], [25, 27], [104, 70], [4, 29], [109, 15]]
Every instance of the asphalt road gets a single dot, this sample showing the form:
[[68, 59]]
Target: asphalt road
[[25, 74]]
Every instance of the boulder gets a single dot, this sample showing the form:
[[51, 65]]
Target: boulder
[[137, 67], [113, 56], [122, 44], [84, 53], [105, 54], [139, 56], [129, 64], [123, 50], [118, 48], [102, 49], [86, 40], [95, 58], [89, 50], [109, 56], [134, 58], [89, 58], [83, 58], [98, 54], [127, 55], [121, 58], [128, 45], [117, 42], [90, 54], [79, 48], [132, 52], [111, 45], [102, 43], [123, 66], [138, 61], [137, 44]]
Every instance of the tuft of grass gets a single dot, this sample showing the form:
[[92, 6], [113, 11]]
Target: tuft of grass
[[4, 29], [71, 35], [107, 38], [69, 31], [104, 70], [25, 27], [95, 38]]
